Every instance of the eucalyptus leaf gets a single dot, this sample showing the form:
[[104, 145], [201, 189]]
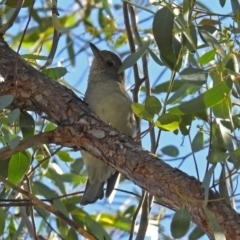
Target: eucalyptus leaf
[[153, 105], [168, 121], [180, 223], [206, 182], [208, 99], [198, 142], [163, 23], [170, 150], [55, 73], [133, 58], [13, 115], [18, 166], [5, 100], [217, 230]]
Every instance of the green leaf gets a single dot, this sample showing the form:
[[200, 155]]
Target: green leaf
[[206, 182], [65, 156], [70, 50], [163, 23], [13, 115], [223, 108], [192, 35], [223, 190], [212, 42], [184, 126], [3, 218], [130, 60], [34, 57], [170, 150], [188, 31], [18, 166], [72, 234], [198, 142], [141, 112], [202, 115], [77, 165], [26, 124], [222, 2], [55, 73], [60, 207], [196, 233], [154, 57], [207, 57], [235, 158], [183, 91], [208, 21], [119, 221], [180, 223], [231, 62], [221, 137], [153, 105], [72, 178], [54, 174], [63, 82], [235, 6], [164, 87], [96, 228], [82, 218], [44, 190], [14, 3], [14, 142], [130, 210], [210, 29], [186, 12], [208, 99], [5, 101], [11, 227], [50, 127], [195, 76], [168, 121], [4, 167], [217, 230], [217, 155], [107, 8]]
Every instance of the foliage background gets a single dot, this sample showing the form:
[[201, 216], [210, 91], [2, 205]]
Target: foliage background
[[80, 23]]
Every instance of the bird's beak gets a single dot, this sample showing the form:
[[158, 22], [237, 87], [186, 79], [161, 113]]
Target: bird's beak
[[95, 50]]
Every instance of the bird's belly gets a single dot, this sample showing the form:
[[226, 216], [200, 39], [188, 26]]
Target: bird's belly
[[115, 109]]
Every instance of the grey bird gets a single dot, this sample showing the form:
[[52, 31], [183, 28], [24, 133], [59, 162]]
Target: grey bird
[[108, 99]]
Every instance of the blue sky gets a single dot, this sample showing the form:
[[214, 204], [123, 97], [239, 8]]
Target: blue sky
[[77, 77]]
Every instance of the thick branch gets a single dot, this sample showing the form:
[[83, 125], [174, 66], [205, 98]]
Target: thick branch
[[79, 128]]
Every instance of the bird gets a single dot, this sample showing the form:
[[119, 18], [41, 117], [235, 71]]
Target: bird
[[108, 99]]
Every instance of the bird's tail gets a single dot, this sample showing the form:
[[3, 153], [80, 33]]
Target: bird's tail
[[92, 193]]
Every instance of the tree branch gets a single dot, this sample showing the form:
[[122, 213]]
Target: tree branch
[[24, 144], [80, 129]]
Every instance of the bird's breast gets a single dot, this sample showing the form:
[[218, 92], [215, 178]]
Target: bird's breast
[[111, 103]]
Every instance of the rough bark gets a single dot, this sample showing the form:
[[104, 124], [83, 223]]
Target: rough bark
[[78, 128]]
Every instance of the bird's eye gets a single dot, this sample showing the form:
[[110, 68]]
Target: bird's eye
[[110, 63]]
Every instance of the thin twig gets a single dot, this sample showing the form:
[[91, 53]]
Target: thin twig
[[43, 161], [12, 19], [135, 98], [31, 211], [193, 154], [49, 225], [147, 203], [135, 215], [24, 144], [56, 35]]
